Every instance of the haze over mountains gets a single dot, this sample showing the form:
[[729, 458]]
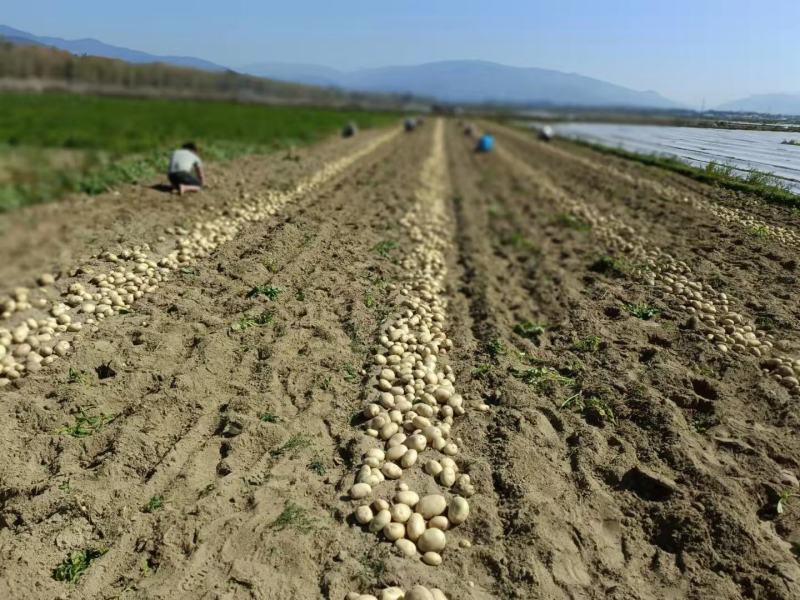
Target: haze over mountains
[[471, 81], [457, 81], [783, 104]]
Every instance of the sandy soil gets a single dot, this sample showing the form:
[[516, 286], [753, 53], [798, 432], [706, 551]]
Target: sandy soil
[[619, 458]]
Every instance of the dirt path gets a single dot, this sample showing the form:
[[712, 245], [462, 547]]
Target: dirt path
[[206, 440]]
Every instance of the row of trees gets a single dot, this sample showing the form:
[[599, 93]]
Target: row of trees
[[30, 62]]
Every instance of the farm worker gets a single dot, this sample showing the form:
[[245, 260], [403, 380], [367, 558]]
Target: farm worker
[[350, 129], [485, 143], [186, 169]]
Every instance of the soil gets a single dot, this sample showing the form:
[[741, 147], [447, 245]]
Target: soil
[[620, 457]]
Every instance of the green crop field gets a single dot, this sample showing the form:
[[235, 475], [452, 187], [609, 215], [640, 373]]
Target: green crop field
[[116, 140]]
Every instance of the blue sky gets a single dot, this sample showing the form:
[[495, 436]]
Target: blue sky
[[685, 49]]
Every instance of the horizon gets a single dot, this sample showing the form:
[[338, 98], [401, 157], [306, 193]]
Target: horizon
[[642, 48]]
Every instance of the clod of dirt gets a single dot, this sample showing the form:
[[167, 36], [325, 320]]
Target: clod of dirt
[[648, 485], [704, 389], [104, 371]]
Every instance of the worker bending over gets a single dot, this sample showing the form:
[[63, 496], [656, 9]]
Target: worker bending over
[[186, 169]]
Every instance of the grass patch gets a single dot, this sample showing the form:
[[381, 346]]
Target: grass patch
[[126, 140], [294, 517], [260, 320], [87, 425], [481, 371], [76, 563], [385, 248], [350, 373], [293, 445], [641, 310], [269, 291], [529, 330], [608, 265], [764, 185], [153, 504], [372, 569], [593, 408], [544, 380], [75, 376], [496, 348], [269, 418], [317, 466], [589, 344]]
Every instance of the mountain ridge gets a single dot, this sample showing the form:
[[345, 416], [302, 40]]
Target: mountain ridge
[[776, 104], [471, 81], [96, 47], [453, 81]]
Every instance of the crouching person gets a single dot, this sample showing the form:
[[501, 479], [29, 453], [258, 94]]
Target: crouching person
[[186, 169]]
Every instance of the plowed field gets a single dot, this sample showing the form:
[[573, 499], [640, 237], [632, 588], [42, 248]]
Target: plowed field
[[390, 367]]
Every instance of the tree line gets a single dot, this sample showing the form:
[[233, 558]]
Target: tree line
[[42, 63]]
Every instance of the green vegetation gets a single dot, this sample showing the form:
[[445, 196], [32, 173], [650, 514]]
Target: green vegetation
[[373, 569], [588, 344], [294, 517], [153, 504], [529, 330], [496, 347], [590, 407], [481, 371], [293, 445], [270, 291], [76, 376], [543, 379], [764, 185], [269, 418], [760, 231], [385, 248], [76, 563], [317, 466], [245, 323], [519, 242], [642, 311], [783, 500], [86, 425], [608, 265], [53, 144], [571, 221], [350, 373], [791, 142]]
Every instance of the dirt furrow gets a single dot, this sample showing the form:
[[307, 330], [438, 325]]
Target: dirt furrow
[[709, 308], [186, 322], [654, 450], [777, 225], [94, 292]]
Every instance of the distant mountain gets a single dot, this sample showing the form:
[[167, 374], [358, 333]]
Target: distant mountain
[[776, 104], [97, 48], [296, 73], [472, 81]]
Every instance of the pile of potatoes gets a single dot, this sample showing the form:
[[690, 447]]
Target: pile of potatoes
[[414, 402], [418, 592], [29, 343], [708, 310], [747, 221]]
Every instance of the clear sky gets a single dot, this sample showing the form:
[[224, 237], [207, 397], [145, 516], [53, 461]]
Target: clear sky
[[685, 49]]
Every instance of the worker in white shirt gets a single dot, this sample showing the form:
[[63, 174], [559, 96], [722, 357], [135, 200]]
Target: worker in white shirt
[[186, 169]]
